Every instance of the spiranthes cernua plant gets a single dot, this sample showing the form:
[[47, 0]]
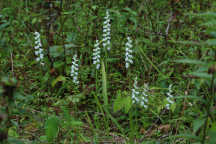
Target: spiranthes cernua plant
[[135, 91], [75, 69], [96, 55], [145, 96], [38, 48], [106, 31], [128, 53], [169, 97], [139, 95]]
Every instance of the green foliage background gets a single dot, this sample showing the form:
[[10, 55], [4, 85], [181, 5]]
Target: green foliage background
[[173, 43]]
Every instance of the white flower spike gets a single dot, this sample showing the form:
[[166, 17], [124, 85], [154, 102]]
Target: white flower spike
[[139, 95], [75, 69], [170, 97], [135, 91], [144, 96], [38, 48], [106, 31], [96, 55], [128, 53]]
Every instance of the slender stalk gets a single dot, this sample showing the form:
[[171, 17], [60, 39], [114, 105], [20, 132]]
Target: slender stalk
[[106, 58], [96, 95], [131, 122], [104, 85], [98, 102]]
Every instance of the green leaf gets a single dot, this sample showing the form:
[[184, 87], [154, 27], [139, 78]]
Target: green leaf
[[211, 42], [58, 79], [51, 128], [118, 103], [173, 107], [190, 61], [68, 12], [197, 124], [212, 134], [58, 64], [127, 104], [104, 84], [4, 25], [201, 75], [122, 103], [43, 138], [12, 132], [56, 50], [191, 97], [210, 23], [187, 136], [131, 11], [76, 123], [66, 114], [206, 14], [12, 140], [71, 45]]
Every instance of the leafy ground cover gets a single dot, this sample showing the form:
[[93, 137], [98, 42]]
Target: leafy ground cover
[[107, 71]]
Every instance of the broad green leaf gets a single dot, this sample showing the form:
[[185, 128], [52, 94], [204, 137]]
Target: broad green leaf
[[197, 124], [127, 104], [51, 128], [118, 103]]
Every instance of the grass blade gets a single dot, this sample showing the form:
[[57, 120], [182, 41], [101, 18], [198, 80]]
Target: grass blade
[[104, 84]]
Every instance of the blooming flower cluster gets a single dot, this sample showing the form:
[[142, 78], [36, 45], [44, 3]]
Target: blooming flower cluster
[[138, 95], [74, 70], [170, 97], [38, 48], [96, 55], [135, 91], [128, 53], [106, 31], [144, 96]]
